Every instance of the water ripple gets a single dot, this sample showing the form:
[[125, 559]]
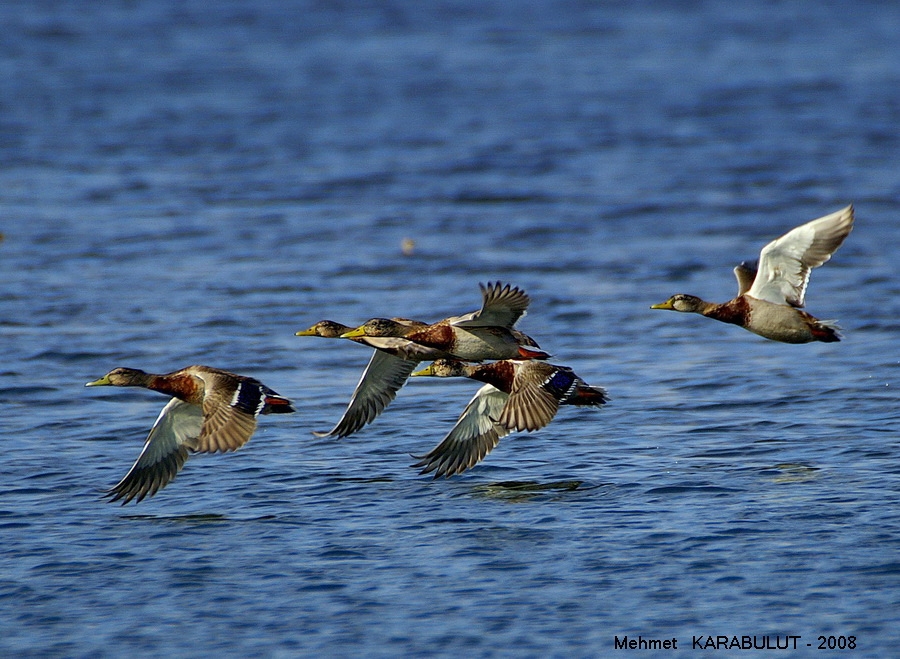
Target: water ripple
[[185, 186]]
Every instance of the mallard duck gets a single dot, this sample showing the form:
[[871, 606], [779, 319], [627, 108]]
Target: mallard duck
[[210, 411], [519, 395], [401, 343], [385, 374], [770, 296], [484, 334]]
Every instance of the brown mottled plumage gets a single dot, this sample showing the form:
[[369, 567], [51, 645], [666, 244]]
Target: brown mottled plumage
[[484, 334], [401, 344], [210, 411], [518, 395]]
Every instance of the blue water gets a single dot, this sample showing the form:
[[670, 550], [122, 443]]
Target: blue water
[[181, 184]]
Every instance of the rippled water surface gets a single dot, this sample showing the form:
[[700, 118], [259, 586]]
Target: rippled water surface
[[183, 185]]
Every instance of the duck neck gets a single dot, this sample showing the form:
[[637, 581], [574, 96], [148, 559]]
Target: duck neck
[[138, 378], [180, 385], [735, 312], [497, 374]]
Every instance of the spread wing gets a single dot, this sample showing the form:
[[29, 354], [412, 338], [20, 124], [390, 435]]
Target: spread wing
[[532, 405], [785, 263], [475, 434], [230, 407], [501, 306], [226, 428], [402, 348], [164, 453], [377, 387]]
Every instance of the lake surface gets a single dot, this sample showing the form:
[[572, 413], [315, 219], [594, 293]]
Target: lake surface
[[180, 185]]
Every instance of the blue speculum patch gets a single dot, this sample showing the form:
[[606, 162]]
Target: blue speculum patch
[[560, 382], [248, 398]]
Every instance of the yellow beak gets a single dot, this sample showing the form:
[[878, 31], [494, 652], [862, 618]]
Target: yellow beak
[[307, 332], [354, 333], [99, 383], [428, 370], [663, 305]]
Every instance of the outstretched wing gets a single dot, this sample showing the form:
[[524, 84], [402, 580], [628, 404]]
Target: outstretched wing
[[230, 408], [475, 434], [377, 387], [501, 306], [535, 395], [402, 348], [785, 263], [164, 453]]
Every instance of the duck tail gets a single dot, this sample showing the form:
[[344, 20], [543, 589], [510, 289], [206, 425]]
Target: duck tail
[[826, 331], [530, 352], [275, 404], [588, 395]]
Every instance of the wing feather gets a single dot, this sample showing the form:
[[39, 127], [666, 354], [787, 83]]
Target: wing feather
[[745, 274], [378, 386], [531, 406], [230, 407], [164, 454], [785, 263], [475, 434], [502, 306], [226, 428]]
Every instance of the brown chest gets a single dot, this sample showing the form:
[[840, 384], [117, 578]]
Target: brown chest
[[736, 312], [434, 336], [497, 374], [180, 385]]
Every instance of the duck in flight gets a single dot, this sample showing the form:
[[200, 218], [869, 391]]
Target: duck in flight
[[210, 411], [401, 344], [519, 395], [384, 375], [484, 334], [771, 296]]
